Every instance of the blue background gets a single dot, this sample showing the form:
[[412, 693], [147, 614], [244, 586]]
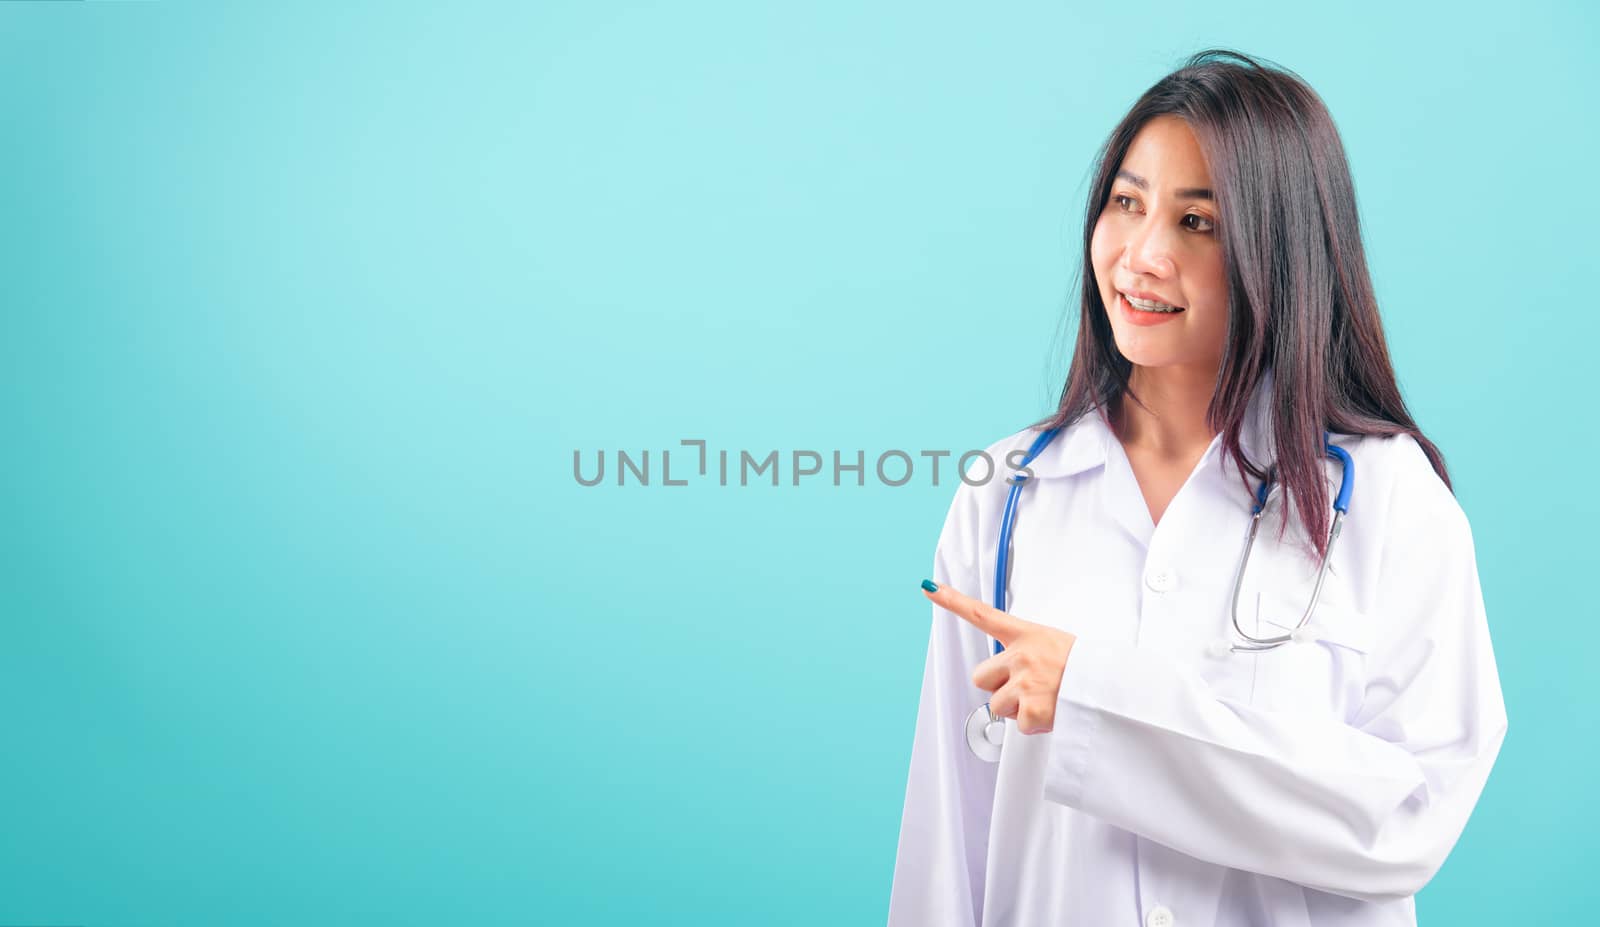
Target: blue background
[[304, 618]]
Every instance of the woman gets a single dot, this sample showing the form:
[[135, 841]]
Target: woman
[[1155, 769]]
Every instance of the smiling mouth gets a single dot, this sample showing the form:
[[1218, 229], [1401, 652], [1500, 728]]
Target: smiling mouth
[[1150, 306]]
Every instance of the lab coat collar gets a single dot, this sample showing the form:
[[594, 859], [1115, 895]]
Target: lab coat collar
[[1086, 443], [1080, 446]]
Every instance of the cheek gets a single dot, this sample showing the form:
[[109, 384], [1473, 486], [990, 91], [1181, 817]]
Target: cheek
[[1209, 285], [1216, 317], [1102, 249]]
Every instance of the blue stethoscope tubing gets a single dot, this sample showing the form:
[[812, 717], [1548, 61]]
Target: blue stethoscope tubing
[[985, 732]]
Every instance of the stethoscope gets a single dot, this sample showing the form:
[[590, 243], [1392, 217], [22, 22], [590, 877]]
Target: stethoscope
[[986, 733]]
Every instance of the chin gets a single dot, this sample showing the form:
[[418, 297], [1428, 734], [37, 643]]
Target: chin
[[1141, 352], [1148, 360]]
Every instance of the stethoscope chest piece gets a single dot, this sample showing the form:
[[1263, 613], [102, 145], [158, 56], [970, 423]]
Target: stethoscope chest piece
[[985, 734]]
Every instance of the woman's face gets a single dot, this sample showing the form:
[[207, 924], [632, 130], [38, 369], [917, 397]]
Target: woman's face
[[1157, 239]]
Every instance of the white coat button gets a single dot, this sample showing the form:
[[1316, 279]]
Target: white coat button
[[1161, 580], [1159, 916]]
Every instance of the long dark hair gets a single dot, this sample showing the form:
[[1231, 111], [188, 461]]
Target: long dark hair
[[1300, 295]]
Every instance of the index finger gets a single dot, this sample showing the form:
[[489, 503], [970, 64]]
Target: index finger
[[992, 621]]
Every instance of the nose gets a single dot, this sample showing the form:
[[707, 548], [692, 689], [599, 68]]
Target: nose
[[1148, 251]]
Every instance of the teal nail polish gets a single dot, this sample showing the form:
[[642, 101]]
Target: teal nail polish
[[930, 585]]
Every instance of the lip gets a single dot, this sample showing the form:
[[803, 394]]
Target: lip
[[1138, 317]]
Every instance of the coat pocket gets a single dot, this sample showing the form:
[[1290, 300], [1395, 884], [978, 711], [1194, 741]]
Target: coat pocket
[[1322, 673]]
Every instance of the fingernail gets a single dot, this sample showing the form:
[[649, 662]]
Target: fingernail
[[930, 585]]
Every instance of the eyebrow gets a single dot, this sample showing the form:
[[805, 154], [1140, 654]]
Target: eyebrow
[[1187, 193]]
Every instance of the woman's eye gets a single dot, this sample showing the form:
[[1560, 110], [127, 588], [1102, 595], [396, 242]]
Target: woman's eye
[[1192, 221]]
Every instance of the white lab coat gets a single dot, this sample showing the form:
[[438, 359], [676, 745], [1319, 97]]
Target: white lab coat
[[1320, 783]]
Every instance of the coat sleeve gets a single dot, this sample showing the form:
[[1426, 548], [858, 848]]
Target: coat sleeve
[[1367, 809], [944, 827]]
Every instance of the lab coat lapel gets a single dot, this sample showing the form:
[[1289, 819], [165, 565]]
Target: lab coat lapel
[[1123, 498], [1090, 442]]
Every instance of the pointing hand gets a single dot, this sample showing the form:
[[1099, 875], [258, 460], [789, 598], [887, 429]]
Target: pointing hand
[[1025, 677]]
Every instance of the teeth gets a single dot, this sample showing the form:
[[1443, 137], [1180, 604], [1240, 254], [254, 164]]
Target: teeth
[[1150, 305]]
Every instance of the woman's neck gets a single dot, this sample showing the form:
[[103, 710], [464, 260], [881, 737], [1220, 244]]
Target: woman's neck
[[1174, 426]]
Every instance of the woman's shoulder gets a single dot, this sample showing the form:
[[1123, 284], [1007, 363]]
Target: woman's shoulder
[[981, 470], [983, 474], [1395, 478]]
